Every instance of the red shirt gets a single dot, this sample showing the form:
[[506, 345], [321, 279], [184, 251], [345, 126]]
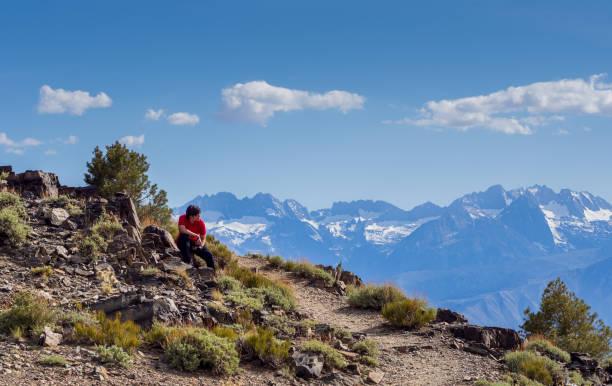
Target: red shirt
[[197, 227]]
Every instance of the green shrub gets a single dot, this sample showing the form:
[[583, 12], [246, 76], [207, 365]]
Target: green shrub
[[267, 347], [308, 270], [332, 357], [411, 313], [222, 253], [151, 271], [53, 360], [548, 349], [62, 200], [279, 295], [374, 297], [13, 226], [114, 355], [366, 347], [276, 261], [533, 366], [227, 283], [280, 324], [28, 313], [106, 227], [3, 176], [606, 364], [194, 348], [110, 332], [92, 245], [158, 334], [246, 297], [577, 379], [369, 361], [225, 332], [9, 199], [73, 317], [74, 209], [42, 271]]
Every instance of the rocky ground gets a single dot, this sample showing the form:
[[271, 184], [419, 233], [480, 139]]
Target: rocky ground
[[140, 275]]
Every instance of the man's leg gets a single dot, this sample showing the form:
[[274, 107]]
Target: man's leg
[[207, 255], [184, 245]]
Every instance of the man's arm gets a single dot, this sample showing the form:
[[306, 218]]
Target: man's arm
[[183, 229]]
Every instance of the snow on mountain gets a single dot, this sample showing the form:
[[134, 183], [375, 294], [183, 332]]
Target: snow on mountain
[[485, 253]]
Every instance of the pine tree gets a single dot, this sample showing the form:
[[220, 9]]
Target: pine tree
[[567, 321], [124, 170]]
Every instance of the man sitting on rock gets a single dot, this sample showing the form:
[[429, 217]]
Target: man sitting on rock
[[192, 236]]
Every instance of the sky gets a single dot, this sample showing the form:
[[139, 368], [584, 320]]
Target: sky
[[317, 101]]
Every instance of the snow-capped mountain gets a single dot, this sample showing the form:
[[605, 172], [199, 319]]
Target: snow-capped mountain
[[485, 253]]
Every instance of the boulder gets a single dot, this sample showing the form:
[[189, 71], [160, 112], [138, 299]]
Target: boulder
[[34, 183], [448, 316], [307, 365], [375, 377], [490, 337], [165, 237], [49, 338], [57, 216], [138, 308], [583, 363]]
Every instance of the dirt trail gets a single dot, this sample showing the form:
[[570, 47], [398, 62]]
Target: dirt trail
[[432, 362]]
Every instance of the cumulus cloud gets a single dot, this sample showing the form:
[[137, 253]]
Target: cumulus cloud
[[154, 115], [258, 101], [183, 119], [17, 147], [74, 102], [516, 110], [132, 141], [50, 152]]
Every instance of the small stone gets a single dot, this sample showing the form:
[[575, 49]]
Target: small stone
[[375, 377], [49, 338], [57, 216]]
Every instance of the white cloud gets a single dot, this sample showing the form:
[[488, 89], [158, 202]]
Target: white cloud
[[50, 152], [183, 119], [586, 128], [561, 132], [74, 102], [17, 147], [258, 101], [517, 110], [12, 150], [132, 141], [154, 115]]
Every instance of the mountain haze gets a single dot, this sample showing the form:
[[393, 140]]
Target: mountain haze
[[488, 254]]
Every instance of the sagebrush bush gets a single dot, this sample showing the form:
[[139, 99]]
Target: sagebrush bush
[[366, 347], [114, 355], [13, 226], [332, 357], [43, 271], [276, 261], [280, 324], [227, 283], [220, 251], [374, 297], [545, 347], [9, 199], [106, 227], [369, 361], [246, 297], [52, 360], [109, 332], [225, 332], [409, 312], [92, 245], [192, 348], [267, 347], [28, 313], [536, 367]]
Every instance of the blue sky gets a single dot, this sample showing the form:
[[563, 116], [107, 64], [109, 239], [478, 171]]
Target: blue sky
[[316, 101]]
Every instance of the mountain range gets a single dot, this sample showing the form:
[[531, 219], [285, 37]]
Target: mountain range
[[488, 254]]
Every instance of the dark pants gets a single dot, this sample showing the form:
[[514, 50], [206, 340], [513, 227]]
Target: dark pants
[[188, 248]]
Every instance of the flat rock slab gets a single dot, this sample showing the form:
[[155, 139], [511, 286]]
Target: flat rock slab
[[375, 377]]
